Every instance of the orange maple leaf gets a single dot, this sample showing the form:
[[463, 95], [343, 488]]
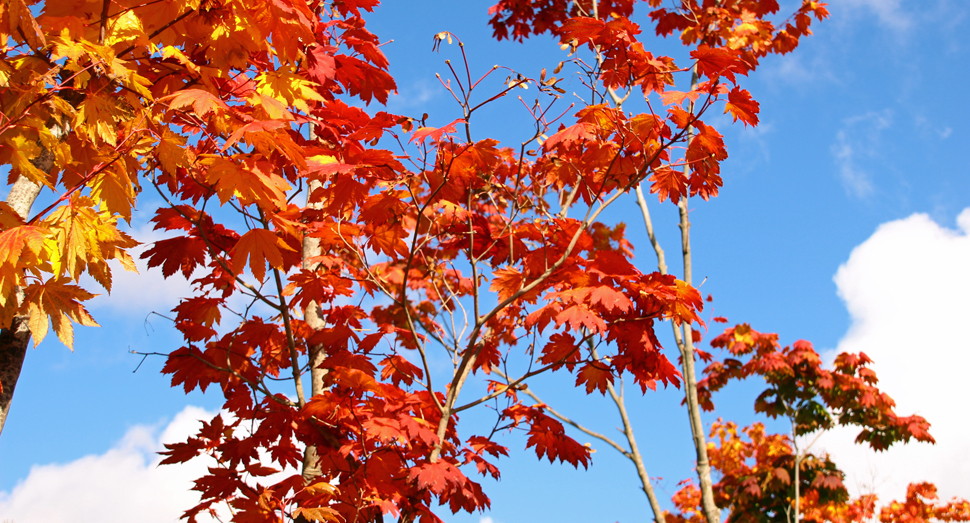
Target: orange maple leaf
[[260, 246], [201, 102], [595, 375], [506, 282]]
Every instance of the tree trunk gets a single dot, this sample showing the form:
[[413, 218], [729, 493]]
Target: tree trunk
[[13, 348], [311, 248], [14, 340]]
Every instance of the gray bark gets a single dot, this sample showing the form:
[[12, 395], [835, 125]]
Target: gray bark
[[14, 340], [13, 349]]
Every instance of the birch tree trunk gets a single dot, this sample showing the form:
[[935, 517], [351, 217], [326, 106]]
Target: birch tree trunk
[[311, 248]]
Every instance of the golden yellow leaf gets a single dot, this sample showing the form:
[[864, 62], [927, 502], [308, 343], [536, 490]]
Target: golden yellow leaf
[[97, 116], [288, 88], [18, 150], [202, 102], [170, 152], [61, 302], [139, 84], [124, 29], [71, 228], [20, 248], [273, 108], [176, 53], [22, 19], [81, 235], [113, 191], [321, 488], [101, 273], [125, 259]]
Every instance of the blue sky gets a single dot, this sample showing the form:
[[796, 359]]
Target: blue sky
[[840, 222]]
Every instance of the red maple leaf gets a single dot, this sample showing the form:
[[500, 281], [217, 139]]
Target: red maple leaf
[[741, 105], [434, 133]]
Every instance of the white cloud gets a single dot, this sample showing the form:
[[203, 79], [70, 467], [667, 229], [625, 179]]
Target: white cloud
[[146, 291], [122, 485], [906, 289]]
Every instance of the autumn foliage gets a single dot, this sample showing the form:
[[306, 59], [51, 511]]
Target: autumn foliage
[[756, 485], [757, 469], [333, 247]]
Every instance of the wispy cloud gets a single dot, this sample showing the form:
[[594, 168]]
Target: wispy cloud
[[858, 140], [889, 13], [856, 181], [794, 69], [415, 97], [930, 127], [905, 289]]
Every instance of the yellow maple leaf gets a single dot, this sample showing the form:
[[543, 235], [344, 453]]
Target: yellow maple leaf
[[274, 108], [318, 514], [81, 235], [288, 88], [170, 152], [71, 228], [176, 53], [97, 115], [18, 151], [22, 23], [202, 102], [20, 248], [321, 488], [114, 191], [67, 47], [61, 302], [124, 29]]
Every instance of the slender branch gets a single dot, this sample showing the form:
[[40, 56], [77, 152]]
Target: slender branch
[[685, 343], [563, 418], [634, 455], [284, 309], [103, 31], [642, 202]]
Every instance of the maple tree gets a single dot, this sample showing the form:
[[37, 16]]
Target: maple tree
[[782, 477], [757, 485], [335, 250]]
